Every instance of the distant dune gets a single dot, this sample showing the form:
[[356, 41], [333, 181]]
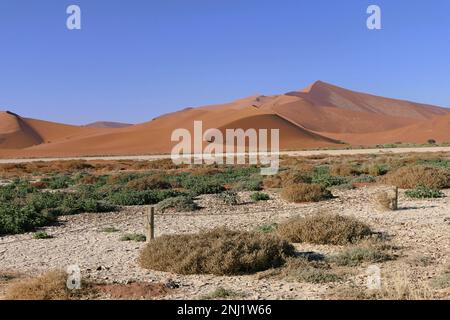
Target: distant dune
[[322, 115]]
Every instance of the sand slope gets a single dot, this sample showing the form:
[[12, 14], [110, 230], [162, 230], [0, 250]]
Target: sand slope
[[318, 116]]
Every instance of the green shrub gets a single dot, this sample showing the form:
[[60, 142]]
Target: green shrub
[[422, 192], [42, 235], [229, 197], [260, 196], [58, 182], [321, 175], [267, 228], [130, 197], [222, 293], [178, 204], [137, 237]]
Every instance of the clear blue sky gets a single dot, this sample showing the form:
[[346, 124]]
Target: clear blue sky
[[136, 59]]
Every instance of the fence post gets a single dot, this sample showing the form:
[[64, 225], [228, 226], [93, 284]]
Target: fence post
[[149, 222], [395, 206]]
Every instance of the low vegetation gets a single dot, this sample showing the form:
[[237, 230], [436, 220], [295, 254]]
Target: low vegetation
[[218, 252], [260, 196], [419, 175], [422, 192], [304, 192], [48, 286], [324, 228], [355, 256], [222, 293], [137, 237], [177, 204]]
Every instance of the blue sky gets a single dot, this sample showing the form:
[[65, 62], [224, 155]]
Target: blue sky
[[136, 59]]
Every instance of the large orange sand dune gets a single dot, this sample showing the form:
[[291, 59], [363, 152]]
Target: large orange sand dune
[[319, 116]]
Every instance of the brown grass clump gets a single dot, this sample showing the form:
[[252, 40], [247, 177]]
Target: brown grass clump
[[48, 286], [387, 200], [156, 181], [415, 176], [304, 192], [218, 252], [343, 170], [324, 228]]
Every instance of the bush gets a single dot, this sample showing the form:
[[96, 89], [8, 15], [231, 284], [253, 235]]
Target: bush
[[49, 286], [355, 256], [343, 170], [260, 196], [229, 197], [218, 252], [304, 192], [130, 197], [137, 237], [321, 175], [422, 192], [419, 175], [149, 183], [42, 235], [324, 229], [177, 204], [58, 182]]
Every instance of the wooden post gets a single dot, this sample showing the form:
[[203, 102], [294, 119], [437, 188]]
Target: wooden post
[[149, 223], [395, 206]]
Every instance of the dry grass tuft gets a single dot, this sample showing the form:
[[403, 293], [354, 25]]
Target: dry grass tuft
[[304, 192], [324, 229], [218, 252], [48, 286], [387, 200], [152, 182], [415, 176]]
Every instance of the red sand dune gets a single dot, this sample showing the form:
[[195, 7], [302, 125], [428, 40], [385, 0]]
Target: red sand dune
[[319, 116]]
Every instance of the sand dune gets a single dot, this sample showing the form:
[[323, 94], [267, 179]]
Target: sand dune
[[318, 116]]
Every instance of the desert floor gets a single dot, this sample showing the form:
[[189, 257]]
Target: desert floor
[[421, 230]]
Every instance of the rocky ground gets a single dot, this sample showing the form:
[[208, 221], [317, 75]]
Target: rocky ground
[[421, 230]]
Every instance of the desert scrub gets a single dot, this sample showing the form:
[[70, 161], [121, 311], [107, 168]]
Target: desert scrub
[[321, 175], [414, 176], [152, 182], [387, 200], [229, 197], [259, 196], [137, 237], [41, 235], [324, 228], [355, 256], [222, 293], [343, 169], [58, 182], [267, 228], [48, 286], [301, 269], [110, 230], [442, 281], [218, 252], [130, 197], [177, 204], [422, 192], [304, 192]]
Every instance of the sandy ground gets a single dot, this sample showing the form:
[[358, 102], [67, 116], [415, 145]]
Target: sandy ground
[[419, 228], [331, 152]]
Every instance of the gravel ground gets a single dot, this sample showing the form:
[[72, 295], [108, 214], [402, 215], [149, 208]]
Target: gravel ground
[[420, 228]]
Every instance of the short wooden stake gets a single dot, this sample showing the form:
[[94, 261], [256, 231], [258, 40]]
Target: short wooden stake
[[149, 223], [395, 205]]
